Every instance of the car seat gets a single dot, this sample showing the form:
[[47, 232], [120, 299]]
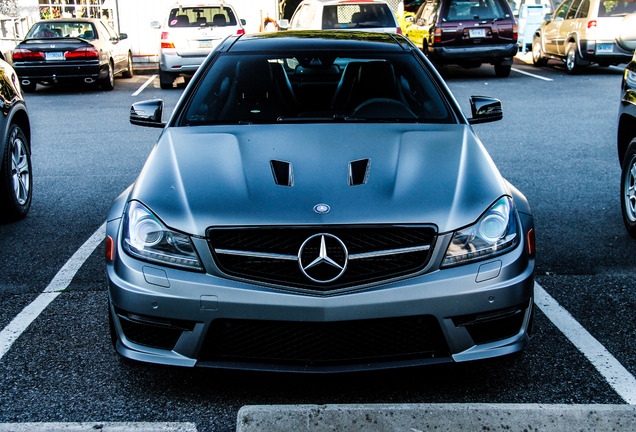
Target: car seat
[[219, 20]]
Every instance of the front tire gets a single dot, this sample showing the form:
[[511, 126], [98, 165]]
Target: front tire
[[502, 71], [16, 178], [628, 189], [537, 52]]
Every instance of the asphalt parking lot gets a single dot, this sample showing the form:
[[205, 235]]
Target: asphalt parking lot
[[556, 144]]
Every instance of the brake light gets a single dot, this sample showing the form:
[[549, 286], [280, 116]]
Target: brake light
[[592, 24], [83, 52], [240, 32], [515, 31], [27, 54], [164, 37], [399, 30], [437, 35]]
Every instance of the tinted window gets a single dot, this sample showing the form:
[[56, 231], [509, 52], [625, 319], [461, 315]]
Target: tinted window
[[616, 8], [583, 9], [562, 10], [316, 87], [572, 11], [464, 10], [344, 16], [201, 16], [62, 29]]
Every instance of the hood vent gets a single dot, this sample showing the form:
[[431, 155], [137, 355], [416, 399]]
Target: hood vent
[[283, 172], [359, 172]]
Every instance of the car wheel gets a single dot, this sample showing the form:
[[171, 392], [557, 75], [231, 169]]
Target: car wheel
[[16, 179], [537, 53], [628, 189], [572, 59], [108, 82], [502, 71], [128, 73], [166, 79]]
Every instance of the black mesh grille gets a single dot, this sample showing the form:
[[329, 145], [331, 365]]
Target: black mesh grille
[[150, 335], [288, 241], [324, 343]]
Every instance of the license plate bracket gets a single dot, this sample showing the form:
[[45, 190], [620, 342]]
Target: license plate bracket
[[605, 48], [54, 56], [477, 33]]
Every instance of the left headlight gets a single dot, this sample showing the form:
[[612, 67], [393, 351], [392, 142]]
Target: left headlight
[[495, 232], [147, 238]]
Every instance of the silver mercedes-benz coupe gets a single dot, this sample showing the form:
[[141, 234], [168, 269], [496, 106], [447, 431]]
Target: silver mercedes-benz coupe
[[317, 202]]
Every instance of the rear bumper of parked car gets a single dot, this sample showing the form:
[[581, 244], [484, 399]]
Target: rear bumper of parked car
[[170, 316], [478, 53], [170, 61], [604, 52], [48, 71]]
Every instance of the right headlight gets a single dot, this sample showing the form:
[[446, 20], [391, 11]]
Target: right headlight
[[147, 238], [495, 232]]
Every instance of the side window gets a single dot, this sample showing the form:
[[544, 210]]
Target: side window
[[299, 17], [572, 11], [430, 12], [583, 9], [110, 33], [562, 10]]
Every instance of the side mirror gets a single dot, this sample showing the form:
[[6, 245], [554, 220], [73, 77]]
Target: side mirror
[[243, 22], [485, 109], [283, 24], [155, 24], [123, 36], [147, 113]]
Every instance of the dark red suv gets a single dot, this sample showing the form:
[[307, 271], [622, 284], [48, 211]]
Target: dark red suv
[[468, 33]]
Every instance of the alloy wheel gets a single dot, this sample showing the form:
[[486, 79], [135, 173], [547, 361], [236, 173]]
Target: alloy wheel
[[20, 171], [629, 190]]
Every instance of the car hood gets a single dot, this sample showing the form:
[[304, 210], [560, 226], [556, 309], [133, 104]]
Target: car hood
[[198, 177]]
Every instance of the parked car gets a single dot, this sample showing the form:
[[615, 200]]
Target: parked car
[[16, 178], [467, 33], [627, 146], [530, 15], [80, 49], [581, 32], [318, 202], [364, 15], [190, 33]]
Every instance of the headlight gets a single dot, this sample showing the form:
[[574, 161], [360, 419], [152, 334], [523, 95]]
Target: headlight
[[495, 232], [146, 237]]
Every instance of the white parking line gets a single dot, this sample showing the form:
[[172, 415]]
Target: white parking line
[[531, 75], [614, 373], [60, 282], [148, 81]]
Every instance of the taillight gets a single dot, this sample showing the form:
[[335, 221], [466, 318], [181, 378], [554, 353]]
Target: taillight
[[26, 54], [164, 37], [437, 35], [515, 31], [399, 30], [83, 52], [240, 32], [591, 24]]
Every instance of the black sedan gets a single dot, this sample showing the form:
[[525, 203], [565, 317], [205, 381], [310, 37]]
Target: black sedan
[[627, 146], [15, 149], [88, 50]]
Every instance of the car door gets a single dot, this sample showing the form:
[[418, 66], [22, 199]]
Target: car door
[[118, 50], [416, 30], [551, 30], [567, 27]]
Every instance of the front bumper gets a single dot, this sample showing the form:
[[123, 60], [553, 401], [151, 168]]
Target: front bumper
[[49, 71], [500, 53], [175, 317]]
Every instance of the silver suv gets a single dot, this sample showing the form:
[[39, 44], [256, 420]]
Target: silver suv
[[190, 33], [581, 32]]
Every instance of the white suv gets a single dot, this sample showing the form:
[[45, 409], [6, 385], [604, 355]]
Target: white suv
[[363, 15], [190, 33]]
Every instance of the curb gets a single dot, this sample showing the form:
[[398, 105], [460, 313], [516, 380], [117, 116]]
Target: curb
[[436, 417]]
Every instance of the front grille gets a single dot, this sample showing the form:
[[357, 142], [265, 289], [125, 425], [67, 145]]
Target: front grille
[[271, 254], [324, 343]]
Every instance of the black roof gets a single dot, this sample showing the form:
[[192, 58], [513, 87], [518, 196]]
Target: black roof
[[317, 40]]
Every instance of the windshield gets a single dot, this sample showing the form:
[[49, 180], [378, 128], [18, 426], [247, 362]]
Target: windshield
[[319, 87], [350, 16], [466, 10], [201, 17], [616, 8], [62, 29]]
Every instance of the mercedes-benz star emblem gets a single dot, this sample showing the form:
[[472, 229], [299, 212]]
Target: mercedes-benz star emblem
[[322, 208], [323, 258]]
